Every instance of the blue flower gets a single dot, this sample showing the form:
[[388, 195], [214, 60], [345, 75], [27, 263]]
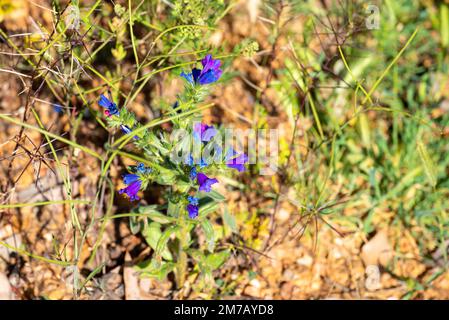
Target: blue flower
[[193, 173], [236, 162], [127, 130], [210, 73], [111, 107], [203, 163], [192, 77], [192, 210], [133, 183], [203, 132], [205, 182], [142, 169], [193, 200], [57, 108], [211, 70]]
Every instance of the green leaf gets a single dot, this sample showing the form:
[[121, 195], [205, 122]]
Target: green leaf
[[135, 224], [162, 242], [183, 186], [173, 209], [216, 260], [209, 233], [166, 176], [364, 129], [197, 255], [94, 272], [161, 218], [152, 234], [444, 25], [119, 53], [155, 142], [217, 196], [207, 208], [429, 166], [229, 220], [155, 268], [155, 215]]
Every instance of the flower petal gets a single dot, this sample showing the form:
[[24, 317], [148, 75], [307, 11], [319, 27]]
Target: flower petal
[[192, 210], [209, 77], [196, 74], [132, 189], [104, 102], [205, 183], [130, 178], [187, 76], [238, 162], [210, 64]]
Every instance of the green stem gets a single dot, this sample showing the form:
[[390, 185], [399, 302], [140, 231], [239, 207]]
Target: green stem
[[182, 256]]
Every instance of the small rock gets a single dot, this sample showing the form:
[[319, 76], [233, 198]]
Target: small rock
[[255, 283], [283, 215], [378, 250], [305, 261]]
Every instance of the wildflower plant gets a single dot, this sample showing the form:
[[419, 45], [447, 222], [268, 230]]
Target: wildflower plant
[[187, 160]]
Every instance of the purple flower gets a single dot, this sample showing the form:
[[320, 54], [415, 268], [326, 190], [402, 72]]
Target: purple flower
[[111, 107], [210, 73], [192, 210], [203, 132], [133, 186], [236, 162], [205, 182]]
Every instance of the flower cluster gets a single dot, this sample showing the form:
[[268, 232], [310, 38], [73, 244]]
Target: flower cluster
[[155, 146], [204, 133], [134, 181]]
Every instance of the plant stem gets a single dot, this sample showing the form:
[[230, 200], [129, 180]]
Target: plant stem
[[182, 256]]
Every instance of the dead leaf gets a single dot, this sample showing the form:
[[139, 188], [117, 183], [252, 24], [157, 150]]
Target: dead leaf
[[132, 291]]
